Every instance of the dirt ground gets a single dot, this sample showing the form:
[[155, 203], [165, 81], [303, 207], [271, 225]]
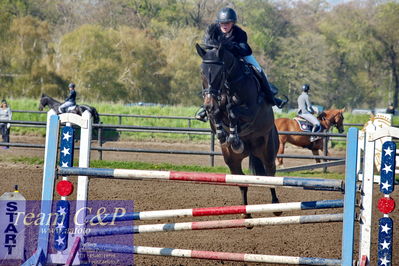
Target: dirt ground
[[309, 240]]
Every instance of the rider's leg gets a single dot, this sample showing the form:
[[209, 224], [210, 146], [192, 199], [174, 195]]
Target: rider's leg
[[63, 107], [314, 121], [267, 89]]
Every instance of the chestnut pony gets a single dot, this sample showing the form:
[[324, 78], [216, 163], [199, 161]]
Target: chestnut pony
[[226, 79], [327, 118]]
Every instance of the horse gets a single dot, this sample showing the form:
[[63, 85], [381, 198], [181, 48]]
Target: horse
[[46, 100], [327, 118], [232, 92]]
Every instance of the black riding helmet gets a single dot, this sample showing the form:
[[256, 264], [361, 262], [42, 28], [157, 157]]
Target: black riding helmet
[[71, 85], [305, 87], [225, 15]]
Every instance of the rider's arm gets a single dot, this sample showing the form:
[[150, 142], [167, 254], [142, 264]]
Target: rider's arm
[[309, 106], [239, 43]]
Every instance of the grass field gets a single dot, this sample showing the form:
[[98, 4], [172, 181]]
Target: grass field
[[117, 108], [172, 167]]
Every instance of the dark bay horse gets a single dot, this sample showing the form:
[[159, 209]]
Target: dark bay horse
[[328, 118], [231, 92], [46, 100]]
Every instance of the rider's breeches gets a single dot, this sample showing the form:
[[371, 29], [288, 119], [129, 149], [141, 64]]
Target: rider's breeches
[[251, 60], [311, 118], [63, 107]]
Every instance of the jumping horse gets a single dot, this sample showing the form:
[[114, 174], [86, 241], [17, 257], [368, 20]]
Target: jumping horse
[[46, 100], [327, 118], [231, 92]]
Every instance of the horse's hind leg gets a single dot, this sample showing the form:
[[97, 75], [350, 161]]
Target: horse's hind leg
[[281, 149], [234, 161]]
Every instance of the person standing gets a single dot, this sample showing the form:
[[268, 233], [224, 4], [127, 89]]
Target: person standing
[[70, 100], [306, 111], [5, 114]]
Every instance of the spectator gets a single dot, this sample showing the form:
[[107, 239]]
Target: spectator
[[5, 114]]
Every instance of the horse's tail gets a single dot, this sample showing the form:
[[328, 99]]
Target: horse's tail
[[256, 166], [96, 116], [93, 111]]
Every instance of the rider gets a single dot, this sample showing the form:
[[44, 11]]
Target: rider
[[70, 100], [306, 111], [236, 42]]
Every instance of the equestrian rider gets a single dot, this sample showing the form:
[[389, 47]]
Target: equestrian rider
[[306, 111], [236, 42], [5, 114], [70, 100]]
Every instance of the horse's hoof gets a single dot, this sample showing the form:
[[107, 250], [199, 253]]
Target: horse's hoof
[[276, 213], [237, 147], [247, 216]]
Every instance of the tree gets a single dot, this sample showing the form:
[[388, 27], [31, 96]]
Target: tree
[[183, 66], [386, 32]]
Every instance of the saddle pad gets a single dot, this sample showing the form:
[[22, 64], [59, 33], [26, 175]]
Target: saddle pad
[[303, 124]]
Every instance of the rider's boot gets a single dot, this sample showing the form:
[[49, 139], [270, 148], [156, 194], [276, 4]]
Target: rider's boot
[[314, 138], [201, 114], [269, 93]]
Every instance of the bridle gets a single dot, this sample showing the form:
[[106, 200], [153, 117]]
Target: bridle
[[332, 121], [215, 92], [225, 83]]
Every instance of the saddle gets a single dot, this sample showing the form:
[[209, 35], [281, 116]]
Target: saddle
[[305, 125], [71, 108]]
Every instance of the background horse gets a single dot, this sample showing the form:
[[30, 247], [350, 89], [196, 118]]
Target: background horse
[[79, 109], [256, 128], [328, 118]]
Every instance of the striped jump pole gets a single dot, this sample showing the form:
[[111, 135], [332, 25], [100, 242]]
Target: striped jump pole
[[225, 210], [313, 183], [210, 255], [218, 224]]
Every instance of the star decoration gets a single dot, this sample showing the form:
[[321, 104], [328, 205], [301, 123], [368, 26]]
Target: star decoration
[[388, 151], [66, 136], [384, 261], [64, 164], [385, 185], [60, 226], [385, 228], [385, 245], [387, 168], [65, 151], [60, 240], [61, 211]]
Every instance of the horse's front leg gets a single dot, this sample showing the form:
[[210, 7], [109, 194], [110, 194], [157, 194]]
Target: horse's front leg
[[220, 132], [234, 140]]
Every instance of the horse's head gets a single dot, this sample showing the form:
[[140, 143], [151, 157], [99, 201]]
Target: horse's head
[[333, 117], [43, 102]]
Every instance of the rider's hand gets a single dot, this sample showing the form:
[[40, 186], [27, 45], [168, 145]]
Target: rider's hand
[[230, 45], [8, 125]]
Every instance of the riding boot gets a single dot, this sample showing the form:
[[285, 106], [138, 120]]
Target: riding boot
[[314, 138], [269, 92], [201, 114]]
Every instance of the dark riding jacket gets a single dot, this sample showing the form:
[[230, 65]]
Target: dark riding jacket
[[236, 41], [71, 97]]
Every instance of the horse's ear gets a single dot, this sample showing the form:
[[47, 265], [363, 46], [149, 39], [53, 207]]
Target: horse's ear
[[200, 51]]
